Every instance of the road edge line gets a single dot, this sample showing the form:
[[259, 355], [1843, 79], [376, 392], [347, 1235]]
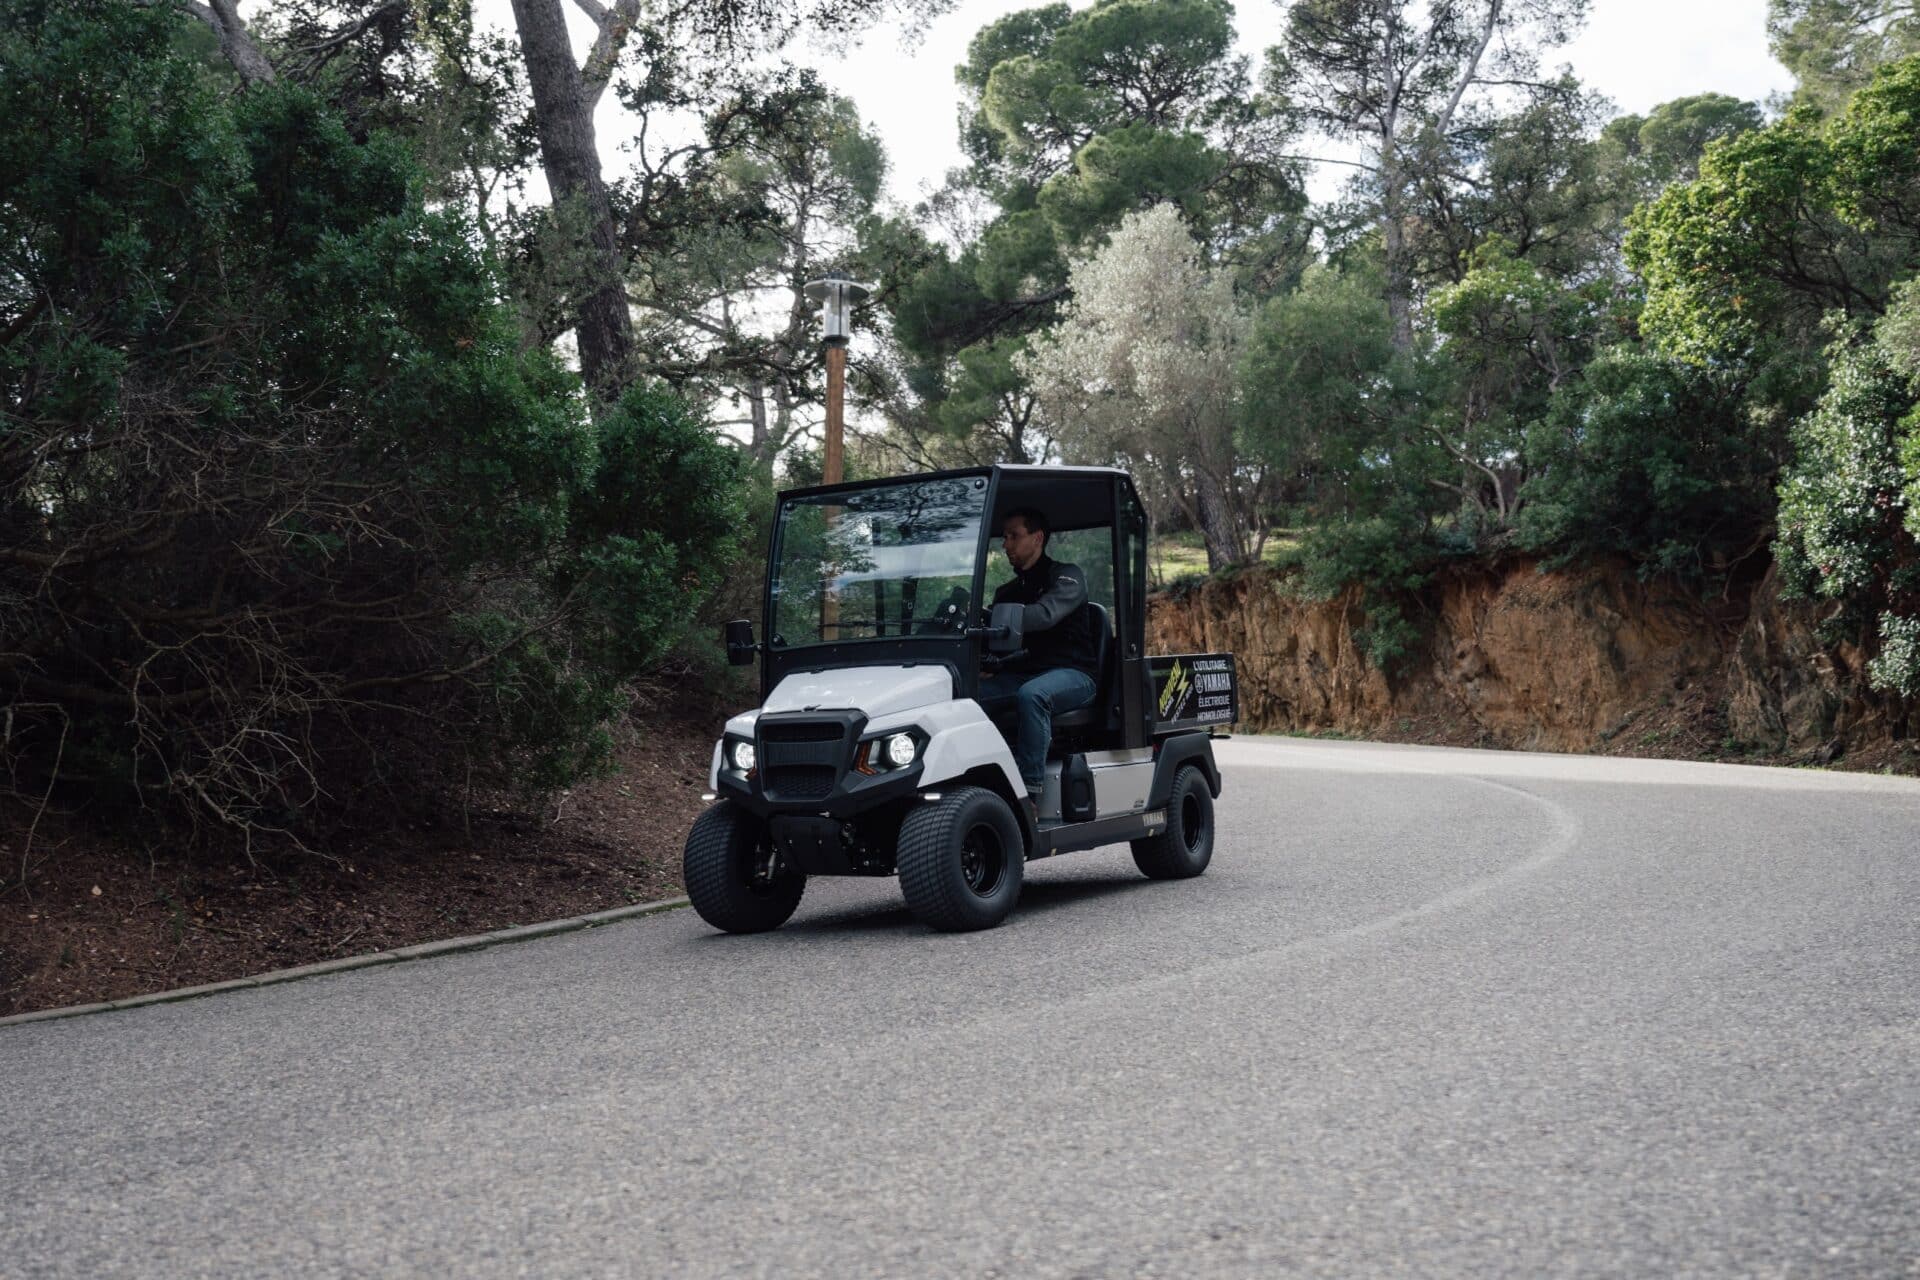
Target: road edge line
[[398, 955]]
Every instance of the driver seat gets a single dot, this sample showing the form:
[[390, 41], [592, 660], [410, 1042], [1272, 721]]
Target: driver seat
[[1094, 714]]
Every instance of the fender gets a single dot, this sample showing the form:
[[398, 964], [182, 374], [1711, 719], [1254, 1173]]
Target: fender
[[960, 739], [1181, 748]]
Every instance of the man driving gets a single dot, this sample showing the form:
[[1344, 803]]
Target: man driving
[[1058, 669]]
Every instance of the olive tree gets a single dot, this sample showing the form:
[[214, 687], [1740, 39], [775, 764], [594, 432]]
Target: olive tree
[[1143, 371]]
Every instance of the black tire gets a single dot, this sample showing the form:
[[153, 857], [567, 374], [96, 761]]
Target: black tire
[[1184, 849], [723, 868], [961, 859]]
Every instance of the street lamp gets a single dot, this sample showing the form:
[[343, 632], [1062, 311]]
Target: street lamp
[[836, 294]]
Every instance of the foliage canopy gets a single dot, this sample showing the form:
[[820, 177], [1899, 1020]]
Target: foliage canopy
[[286, 506]]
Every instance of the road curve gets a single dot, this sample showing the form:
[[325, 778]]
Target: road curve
[[1431, 1012]]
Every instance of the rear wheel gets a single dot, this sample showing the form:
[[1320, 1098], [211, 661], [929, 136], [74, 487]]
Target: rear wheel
[[732, 876], [1186, 846], [961, 858]]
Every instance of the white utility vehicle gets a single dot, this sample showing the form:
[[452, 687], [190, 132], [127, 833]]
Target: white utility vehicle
[[868, 754]]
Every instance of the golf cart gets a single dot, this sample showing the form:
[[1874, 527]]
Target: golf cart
[[869, 755]]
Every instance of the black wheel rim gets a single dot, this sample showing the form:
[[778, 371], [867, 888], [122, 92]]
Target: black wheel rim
[[983, 859], [1192, 822]]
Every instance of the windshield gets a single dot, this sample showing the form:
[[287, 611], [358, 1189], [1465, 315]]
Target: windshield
[[887, 561]]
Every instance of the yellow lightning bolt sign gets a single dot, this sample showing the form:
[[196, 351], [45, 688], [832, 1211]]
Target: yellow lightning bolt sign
[[1179, 679]]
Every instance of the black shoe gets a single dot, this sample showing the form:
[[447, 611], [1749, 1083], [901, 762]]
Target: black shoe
[[1033, 808]]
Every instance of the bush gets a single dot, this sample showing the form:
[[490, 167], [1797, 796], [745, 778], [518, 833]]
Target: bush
[[1896, 667], [1651, 457], [1391, 557], [1847, 521]]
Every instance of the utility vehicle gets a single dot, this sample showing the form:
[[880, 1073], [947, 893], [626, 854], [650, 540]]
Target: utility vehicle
[[869, 755]]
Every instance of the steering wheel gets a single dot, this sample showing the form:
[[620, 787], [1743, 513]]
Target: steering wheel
[[949, 617]]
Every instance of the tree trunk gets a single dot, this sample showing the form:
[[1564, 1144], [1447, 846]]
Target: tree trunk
[[1393, 236], [1216, 523], [756, 395], [782, 430], [237, 45], [1018, 416], [564, 122]]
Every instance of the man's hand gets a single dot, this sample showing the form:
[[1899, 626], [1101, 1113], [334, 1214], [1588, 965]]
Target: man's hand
[[950, 615]]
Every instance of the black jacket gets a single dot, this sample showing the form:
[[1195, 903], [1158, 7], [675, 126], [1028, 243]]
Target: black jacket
[[1057, 621]]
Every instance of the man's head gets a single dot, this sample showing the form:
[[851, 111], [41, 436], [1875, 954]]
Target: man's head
[[1023, 536]]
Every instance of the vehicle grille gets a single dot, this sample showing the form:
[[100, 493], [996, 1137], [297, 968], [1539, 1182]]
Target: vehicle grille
[[803, 731], [802, 758], [801, 782]]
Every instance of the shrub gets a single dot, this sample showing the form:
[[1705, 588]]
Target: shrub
[[1651, 457], [1391, 557], [1847, 523]]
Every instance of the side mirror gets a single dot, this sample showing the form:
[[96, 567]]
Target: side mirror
[[740, 645], [1006, 629]]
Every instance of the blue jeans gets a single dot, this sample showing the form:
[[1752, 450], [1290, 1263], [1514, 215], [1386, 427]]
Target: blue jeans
[[1034, 697]]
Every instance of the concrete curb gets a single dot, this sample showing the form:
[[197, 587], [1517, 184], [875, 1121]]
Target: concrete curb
[[419, 951]]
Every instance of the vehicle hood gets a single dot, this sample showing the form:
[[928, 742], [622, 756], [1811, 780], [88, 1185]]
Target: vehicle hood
[[878, 691]]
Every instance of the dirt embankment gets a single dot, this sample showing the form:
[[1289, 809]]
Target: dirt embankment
[[88, 916], [1592, 660]]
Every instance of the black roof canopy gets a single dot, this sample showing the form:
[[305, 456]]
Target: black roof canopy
[[1070, 497]]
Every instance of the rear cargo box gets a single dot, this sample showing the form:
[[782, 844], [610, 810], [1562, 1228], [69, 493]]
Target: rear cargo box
[[1193, 690]]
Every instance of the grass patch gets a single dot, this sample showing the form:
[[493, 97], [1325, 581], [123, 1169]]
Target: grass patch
[[1173, 556]]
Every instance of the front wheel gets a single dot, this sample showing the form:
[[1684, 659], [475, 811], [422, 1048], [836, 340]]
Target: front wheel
[[961, 858], [1185, 848], [735, 882]]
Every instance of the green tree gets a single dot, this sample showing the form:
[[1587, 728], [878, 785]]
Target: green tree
[[285, 511], [1410, 82], [1163, 64], [1665, 146], [1075, 119], [724, 233], [1513, 335], [564, 95], [1530, 179], [1784, 225], [1326, 400], [1833, 47]]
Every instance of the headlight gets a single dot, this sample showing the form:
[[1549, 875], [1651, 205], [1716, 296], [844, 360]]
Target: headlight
[[901, 748], [743, 757]]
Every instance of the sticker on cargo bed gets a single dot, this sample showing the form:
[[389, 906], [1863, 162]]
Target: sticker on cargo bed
[[1195, 689], [1175, 690]]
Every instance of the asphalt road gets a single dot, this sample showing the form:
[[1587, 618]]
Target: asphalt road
[[1429, 1013]]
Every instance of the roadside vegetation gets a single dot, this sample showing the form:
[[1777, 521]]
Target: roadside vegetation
[[342, 478], [1173, 558]]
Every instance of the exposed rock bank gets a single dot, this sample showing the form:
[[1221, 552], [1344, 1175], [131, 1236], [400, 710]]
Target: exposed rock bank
[[1564, 660]]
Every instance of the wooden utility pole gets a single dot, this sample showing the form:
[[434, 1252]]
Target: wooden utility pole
[[836, 412]]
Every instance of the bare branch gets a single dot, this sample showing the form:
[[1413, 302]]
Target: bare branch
[[321, 50], [1466, 76], [615, 25], [1351, 164]]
